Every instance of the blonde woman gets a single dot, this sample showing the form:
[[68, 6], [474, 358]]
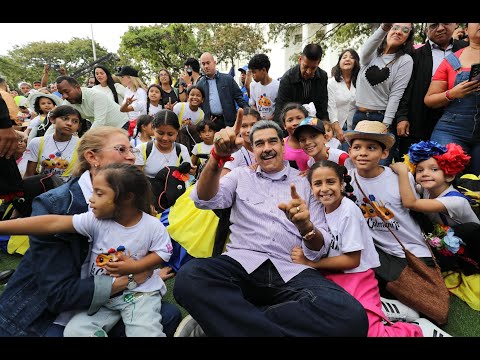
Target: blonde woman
[[135, 103]]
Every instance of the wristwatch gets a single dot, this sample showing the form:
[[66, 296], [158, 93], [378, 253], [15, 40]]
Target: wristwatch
[[131, 282]]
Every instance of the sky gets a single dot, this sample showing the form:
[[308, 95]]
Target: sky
[[107, 34]]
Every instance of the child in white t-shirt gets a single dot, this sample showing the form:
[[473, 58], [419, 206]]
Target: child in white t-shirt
[[126, 240], [378, 196], [435, 167], [331, 140], [55, 153], [244, 156], [190, 113], [310, 133], [143, 130], [206, 129], [352, 254]]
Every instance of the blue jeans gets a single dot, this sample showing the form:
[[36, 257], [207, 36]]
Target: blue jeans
[[376, 116], [171, 317], [226, 301], [460, 123]]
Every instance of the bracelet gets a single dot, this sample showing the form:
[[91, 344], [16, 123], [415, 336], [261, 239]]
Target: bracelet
[[221, 160], [308, 236], [447, 95]]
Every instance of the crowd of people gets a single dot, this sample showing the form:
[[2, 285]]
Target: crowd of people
[[296, 170]]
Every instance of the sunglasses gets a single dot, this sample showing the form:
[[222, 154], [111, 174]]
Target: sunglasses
[[405, 29], [434, 26], [122, 150]]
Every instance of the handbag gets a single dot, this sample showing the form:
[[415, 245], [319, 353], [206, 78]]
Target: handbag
[[419, 286]]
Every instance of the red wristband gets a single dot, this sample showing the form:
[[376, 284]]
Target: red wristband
[[221, 160], [447, 95]]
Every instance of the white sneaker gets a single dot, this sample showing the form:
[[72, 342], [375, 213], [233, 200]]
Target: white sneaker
[[396, 311], [189, 327], [429, 329]]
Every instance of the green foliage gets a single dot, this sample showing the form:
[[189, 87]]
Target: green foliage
[[229, 42], [158, 46], [341, 36], [27, 62]]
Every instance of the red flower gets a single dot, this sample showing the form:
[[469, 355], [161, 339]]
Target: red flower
[[453, 161]]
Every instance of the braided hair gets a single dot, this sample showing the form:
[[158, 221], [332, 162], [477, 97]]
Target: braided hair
[[341, 172]]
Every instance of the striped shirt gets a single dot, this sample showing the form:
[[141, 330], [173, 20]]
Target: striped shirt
[[260, 230]]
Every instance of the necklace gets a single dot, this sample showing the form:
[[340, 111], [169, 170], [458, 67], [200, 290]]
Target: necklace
[[59, 152]]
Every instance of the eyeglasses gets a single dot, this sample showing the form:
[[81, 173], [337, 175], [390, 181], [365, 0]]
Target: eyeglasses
[[122, 149], [434, 26], [405, 29]]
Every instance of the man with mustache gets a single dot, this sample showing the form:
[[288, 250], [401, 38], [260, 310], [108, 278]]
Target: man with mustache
[[254, 288]]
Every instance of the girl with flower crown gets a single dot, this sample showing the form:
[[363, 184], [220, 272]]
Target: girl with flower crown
[[435, 167]]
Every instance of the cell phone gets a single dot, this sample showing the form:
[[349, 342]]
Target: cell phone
[[475, 72]]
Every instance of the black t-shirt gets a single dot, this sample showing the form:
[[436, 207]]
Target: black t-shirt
[[169, 95]]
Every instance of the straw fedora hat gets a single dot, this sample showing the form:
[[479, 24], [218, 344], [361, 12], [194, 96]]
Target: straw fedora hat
[[370, 130]]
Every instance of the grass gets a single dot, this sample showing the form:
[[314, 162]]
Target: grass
[[462, 321]]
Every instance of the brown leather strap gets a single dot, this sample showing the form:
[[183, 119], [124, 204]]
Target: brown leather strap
[[386, 224]]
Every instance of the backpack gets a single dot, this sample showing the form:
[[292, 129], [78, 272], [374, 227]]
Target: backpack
[[168, 185], [147, 150], [32, 187]]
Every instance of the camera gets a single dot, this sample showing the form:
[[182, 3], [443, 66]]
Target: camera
[[54, 66]]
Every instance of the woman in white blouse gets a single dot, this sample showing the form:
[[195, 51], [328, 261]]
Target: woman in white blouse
[[341, 92], [104, 82], [135, 103]]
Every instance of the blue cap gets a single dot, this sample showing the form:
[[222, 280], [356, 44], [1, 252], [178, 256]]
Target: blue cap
[[311, 122], [244, 68]]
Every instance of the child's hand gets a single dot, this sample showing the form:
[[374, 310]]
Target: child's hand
[[297, 255], [399, 168], [187, 122], [166, 273], [123, 266], [303, 173], [193, 170]]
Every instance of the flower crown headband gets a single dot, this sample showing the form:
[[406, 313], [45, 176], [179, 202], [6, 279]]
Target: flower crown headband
[[450, 158]]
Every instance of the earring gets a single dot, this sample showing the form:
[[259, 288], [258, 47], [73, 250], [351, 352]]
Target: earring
[[95, 166]]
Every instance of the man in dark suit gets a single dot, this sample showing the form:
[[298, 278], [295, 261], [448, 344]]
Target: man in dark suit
[[221, 94], [415, 121], [304, 83]]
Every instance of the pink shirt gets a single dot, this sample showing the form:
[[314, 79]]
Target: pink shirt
[[298, 155]]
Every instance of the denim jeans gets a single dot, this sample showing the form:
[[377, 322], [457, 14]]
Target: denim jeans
[[171, 317], [227, 301], [460, 124]]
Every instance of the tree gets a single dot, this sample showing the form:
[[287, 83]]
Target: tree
[[27, 62], [230, 42], [341, 35], [159, 46]]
